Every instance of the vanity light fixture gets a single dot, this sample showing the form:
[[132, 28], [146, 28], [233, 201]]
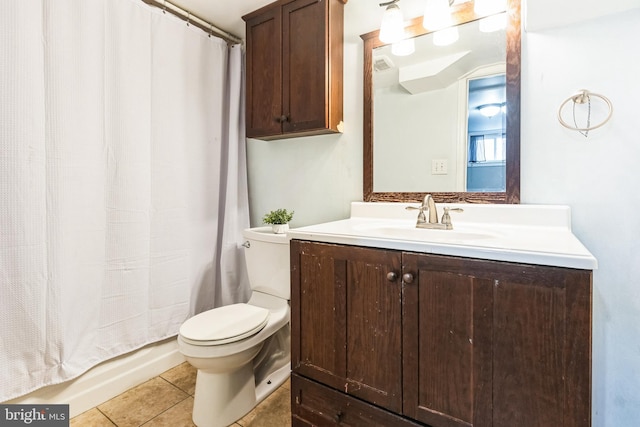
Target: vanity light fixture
[[392, 26], [437, 14], [490, 110], [493, 19], [489, 7], [437, 18]]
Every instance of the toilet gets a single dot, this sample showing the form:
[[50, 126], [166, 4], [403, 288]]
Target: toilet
[[242, 351]]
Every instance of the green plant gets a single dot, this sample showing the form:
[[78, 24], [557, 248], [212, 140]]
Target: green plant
[[279, 216]]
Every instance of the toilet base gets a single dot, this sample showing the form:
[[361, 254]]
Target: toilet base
[[272, 382], [223, 398]]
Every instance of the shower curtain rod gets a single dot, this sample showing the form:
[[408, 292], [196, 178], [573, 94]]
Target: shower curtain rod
[[190, 18]]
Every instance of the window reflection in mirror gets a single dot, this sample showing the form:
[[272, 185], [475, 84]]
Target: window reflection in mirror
[[486, 134]]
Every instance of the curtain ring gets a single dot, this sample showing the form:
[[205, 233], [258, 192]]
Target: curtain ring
[[164, 6], [188, 18], [583, 97]]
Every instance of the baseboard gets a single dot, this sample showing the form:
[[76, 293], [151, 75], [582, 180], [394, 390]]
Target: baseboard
[[109, 379]]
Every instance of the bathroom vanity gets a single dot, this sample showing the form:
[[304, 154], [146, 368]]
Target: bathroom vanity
[[488, 324]]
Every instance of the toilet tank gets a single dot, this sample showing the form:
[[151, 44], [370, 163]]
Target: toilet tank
[[267, 258]]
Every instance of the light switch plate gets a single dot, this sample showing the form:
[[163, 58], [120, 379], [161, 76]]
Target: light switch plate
[[439, 167]]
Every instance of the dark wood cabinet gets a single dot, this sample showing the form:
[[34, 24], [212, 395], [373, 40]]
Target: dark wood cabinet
[[294, 64], [317, 405], [349, 318], [447, 332], [437, 340]]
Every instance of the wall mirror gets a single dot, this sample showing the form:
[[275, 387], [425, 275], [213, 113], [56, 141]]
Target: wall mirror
[[422, 131]]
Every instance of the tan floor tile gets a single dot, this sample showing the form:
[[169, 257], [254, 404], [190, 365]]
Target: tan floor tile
[[275, 410], [176, 416], [93, 418], [182, 376], [140, 404]]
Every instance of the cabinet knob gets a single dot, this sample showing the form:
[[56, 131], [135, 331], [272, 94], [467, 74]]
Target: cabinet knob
[[392, 276], [407, 278], [282, 119]]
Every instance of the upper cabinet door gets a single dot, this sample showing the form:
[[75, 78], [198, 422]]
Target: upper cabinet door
[[294, 69], [304, 93], [264, 74]]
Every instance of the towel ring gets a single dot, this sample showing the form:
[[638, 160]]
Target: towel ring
[[584, 97]]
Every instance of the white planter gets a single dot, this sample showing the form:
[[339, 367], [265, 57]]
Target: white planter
[[280, 228]]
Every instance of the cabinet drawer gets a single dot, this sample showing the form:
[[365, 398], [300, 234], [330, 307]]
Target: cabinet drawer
[[313, 404]]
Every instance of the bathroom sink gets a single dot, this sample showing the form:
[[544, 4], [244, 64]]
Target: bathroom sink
[[407, 231], [530, 234]]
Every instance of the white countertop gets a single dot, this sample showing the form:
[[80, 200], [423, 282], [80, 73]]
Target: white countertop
[[531, 234]]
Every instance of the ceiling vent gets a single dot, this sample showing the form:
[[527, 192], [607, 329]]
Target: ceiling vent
[[382, 63]]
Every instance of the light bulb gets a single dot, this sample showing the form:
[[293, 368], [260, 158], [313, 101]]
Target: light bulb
[[489, 7], [437, 15], [392, 27]]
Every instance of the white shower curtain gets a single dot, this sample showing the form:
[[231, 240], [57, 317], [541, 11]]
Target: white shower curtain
[[122, 183]]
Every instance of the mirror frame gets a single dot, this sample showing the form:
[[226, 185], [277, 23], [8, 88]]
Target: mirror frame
[[461, 14]]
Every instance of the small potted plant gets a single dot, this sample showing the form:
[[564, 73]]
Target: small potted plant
[[279, 220]]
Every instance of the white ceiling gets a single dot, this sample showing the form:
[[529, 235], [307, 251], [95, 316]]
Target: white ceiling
[[227, 14], [545, 14]]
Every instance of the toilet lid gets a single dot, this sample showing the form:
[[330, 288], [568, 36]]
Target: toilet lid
[[224, 324]]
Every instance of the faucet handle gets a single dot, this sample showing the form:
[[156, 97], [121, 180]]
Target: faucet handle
[[446, 219], [421, 216]]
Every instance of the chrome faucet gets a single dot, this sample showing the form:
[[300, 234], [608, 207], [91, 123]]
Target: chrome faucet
[[429, 205]]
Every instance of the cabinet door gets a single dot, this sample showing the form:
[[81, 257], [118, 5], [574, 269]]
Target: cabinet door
[[264, 74], [542, 347], [447, 338], [346, 319], [304, 51], [490, 343]]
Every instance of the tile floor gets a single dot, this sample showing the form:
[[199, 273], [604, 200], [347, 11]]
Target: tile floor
[[167, 400]]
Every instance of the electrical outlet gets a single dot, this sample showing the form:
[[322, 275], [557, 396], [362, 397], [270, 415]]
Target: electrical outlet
[[439, 167]]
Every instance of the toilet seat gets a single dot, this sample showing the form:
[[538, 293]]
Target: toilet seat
[[224, 325]]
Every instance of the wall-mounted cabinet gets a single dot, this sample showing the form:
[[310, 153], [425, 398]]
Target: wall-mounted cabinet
[[294, 66], [393, 338]]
